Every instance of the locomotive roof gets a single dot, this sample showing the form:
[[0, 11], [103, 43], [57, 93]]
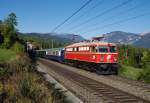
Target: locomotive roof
[[91, 44]]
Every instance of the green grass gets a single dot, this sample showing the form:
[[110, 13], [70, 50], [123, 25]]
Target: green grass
[[130, 72], [7, 55]]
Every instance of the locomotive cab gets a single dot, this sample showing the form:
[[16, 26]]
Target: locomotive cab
[[101, 56], [108, 54]]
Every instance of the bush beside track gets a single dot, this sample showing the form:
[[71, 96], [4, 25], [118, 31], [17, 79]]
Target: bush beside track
[[135, 63], [6, 55], [130, 72]]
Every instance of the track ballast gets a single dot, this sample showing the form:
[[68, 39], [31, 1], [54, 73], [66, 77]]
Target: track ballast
[[100, 90]]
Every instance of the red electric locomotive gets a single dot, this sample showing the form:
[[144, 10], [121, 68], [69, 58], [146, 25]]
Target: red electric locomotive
[[96, 56]]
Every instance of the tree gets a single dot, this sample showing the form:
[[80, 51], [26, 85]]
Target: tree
[[11, 19], [1, 36], [8, 32], [1, 22], [144, 58]]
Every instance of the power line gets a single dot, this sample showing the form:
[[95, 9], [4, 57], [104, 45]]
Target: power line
[[121, 21], [101, 14], [71, 15], [122, 12], [88, 11]]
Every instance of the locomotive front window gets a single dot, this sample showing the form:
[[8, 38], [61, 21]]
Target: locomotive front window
[[102, 49], [113, 49]]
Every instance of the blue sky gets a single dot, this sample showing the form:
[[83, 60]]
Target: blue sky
[[43, 15]]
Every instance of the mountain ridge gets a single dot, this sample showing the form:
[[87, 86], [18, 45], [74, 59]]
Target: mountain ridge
[[144, 41], [138, 39], [57, 37]]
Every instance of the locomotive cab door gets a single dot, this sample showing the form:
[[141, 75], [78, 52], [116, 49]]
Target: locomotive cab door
[[93, 49]]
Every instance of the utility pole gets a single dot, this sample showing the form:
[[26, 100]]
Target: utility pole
[[52, 43]]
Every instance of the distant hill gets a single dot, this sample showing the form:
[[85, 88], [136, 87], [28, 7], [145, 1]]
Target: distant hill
[[72, 37], [56, 37], [137, 39], [144, 41], [121, 37]]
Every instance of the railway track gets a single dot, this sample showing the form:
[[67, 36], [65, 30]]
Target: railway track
[[106, 92], [131, 82], [133, 87]]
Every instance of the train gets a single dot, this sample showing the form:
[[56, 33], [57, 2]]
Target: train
[[99, 57]]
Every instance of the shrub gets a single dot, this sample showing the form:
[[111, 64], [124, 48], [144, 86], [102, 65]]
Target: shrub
[[17, 47], [25, 86], [145, 75], [28, 90], [5, 72], [35, 94], [133, 56], [130, 72], [6, 55]]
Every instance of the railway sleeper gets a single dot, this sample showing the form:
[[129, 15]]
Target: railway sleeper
[[129, 100], [116, 94], [121, 97], [108, 92], [103, 91], [100, 89]]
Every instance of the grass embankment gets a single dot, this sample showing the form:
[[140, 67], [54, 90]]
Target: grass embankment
[[130, 72], [7, 55], [21, 83], [135, 73]]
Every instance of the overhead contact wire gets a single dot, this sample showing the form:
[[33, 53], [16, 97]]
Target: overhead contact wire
[[58, 26]]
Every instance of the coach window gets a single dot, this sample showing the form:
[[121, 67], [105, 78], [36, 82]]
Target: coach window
[[56, 52], [83, 48], [59, 53], [50, 53], [71, 49], [80, 48], [75, 49], [53, 52], [87, 48]]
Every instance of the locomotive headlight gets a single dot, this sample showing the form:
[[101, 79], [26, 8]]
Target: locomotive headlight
[[108, 57], [115, 59]]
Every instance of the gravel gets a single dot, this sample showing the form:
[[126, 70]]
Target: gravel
[[124, 85]]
